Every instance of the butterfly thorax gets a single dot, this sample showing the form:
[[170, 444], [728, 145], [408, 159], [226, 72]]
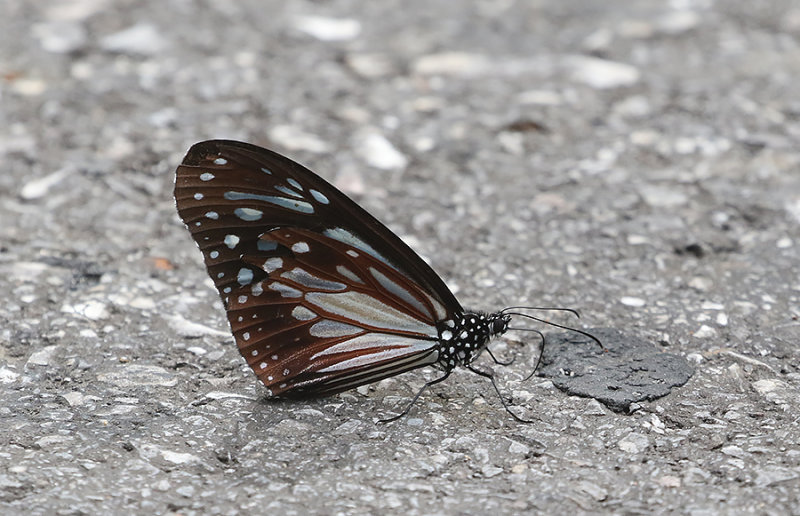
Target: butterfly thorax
[[465, 336]]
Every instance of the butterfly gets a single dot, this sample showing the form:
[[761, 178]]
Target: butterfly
[[321, 297]]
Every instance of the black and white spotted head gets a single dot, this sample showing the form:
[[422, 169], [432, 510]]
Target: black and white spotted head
[[463, 338]]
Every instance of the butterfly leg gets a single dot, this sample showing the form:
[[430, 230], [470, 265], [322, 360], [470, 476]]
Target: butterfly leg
[[498, 362], [502, 399], [416, 397]]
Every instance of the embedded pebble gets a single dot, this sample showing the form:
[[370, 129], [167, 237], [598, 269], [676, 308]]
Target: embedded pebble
[[295, 139], [8, 375], [491, 471], [328, 29], [61, 37], [705, 332], [452, 63], [601, 73], [378, 152], [593, 490], [74, 398], [135, 375], [632, 301], [193, 330], [143, 39], [634, 443], [93, 310], [662, 196], [776, 391], [43, 356], [677, 22], [518, 448], [669, 481], [371, 65], [540, 98], [771, 475]]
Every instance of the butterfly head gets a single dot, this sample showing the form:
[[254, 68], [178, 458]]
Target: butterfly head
[[498, 323]]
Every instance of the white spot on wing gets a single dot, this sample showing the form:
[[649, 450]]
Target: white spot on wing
[[302, 277], [301, 313], [283, 202], [347, 273], [349, 238], [206, 176], [231, 241], [329, 329], [300, 247], [399, 291], [248, 214], [273, 264], [294, 183], [319, 196], [245, 276], [284, 290], [288, 191], [220, 161], [441, 313], [266, 245]]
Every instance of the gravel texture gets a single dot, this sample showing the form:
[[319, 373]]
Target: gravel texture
[[635, 160]]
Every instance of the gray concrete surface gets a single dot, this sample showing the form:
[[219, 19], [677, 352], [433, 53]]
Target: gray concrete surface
[[635, 160]]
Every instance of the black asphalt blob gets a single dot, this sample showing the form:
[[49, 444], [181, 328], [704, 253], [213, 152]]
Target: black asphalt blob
[[632, 369]]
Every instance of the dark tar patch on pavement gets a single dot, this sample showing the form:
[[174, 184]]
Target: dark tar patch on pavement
[[631, 370]]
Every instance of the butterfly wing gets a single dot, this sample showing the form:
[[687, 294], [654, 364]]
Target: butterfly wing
[[320, 295]]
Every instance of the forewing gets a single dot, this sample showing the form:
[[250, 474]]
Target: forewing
[[238, 191]]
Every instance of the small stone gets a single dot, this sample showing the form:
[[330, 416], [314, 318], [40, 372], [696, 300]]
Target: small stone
[[179, 458], [634, 443], [93, 310], [43, 357], [38, 188], [185, 491], [662, 196], [378, 152], [669, 481], [192, 330], [61, 37], [328, 29], [775, 474], [593, 490], [371, 66], [452, 63], [733, 451], [776, 391], [540, 98], [518, 448], [74, 398], [295, 139], [134, 375], [491, 471], [677, 22], [29, 87], [8, 375], [632, 301], [143, 39], [705, 332], [601, 73]]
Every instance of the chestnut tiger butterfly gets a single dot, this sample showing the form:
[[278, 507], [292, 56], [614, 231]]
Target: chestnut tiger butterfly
[[321, 297]]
